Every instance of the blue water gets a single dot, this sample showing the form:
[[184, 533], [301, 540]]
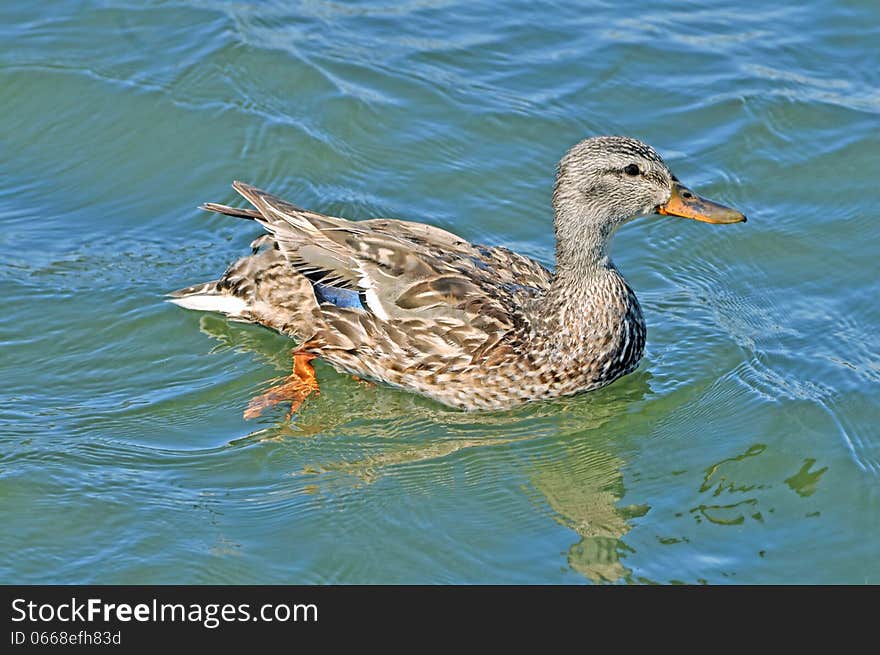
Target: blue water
[[745, 448]]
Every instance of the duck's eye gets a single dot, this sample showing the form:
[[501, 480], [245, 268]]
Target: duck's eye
[[632, 169]]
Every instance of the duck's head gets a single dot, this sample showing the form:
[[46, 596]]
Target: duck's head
[[605, 181]]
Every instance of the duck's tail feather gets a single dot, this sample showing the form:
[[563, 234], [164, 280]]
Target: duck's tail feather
[[206, 297], [238, 212], [264, 204]]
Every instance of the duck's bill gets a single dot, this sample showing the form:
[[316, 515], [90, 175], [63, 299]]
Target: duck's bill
[[687, 204]]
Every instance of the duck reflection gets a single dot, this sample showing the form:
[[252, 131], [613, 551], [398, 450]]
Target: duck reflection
[[584, 492], [577, 476]]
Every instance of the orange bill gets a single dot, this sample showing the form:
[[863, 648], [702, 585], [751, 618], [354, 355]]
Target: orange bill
[[687, 204]]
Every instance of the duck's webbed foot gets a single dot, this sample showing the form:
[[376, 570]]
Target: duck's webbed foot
[[295, 388]]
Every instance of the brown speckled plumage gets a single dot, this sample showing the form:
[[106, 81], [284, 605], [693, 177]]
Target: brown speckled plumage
[[471, 326]]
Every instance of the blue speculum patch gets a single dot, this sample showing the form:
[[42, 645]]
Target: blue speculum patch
[[337, 296]]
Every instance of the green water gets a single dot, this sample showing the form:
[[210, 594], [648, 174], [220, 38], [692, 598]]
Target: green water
[[745, 448]]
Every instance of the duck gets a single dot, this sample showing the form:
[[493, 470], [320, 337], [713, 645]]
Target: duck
[[419, 308]]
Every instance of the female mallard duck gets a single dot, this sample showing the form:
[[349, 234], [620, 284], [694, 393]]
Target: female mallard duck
[[471, 326]]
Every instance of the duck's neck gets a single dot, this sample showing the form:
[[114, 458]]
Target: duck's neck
[[588, 299], [582, 247]]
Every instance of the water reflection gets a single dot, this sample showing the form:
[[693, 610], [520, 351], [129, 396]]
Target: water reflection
[[805, 481], [728, 478], [585, 499]]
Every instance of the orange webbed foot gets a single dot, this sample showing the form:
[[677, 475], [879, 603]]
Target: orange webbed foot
[[298, 386]]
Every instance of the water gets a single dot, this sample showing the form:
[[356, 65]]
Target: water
[[746, 447]]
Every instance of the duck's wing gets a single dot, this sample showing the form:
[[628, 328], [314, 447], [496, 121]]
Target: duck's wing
[[504, 266], [420, 286]]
